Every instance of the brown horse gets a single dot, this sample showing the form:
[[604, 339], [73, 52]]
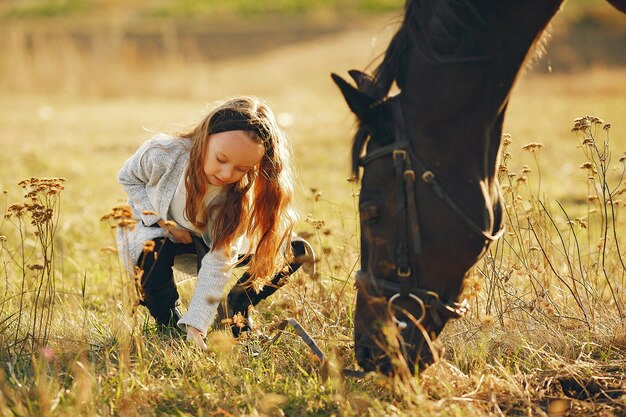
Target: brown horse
[[430, 202]]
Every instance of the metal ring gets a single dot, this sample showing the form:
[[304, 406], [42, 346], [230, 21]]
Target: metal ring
[[411, 296]]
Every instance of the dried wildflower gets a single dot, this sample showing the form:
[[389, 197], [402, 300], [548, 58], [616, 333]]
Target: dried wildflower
[[622, 158], [587, 165], [588, 141], [522, 180], [472, 287], [239, 320], [317, 224], [3, 238], [526, 169], [503, 169], [506, 139], [582, 124], [108, 249], [327, 250], [351, 178], [592, 198], [258, 283], [512, 174], [532, 147], [606, 127], [596, 120], [487, 320], [35, 267], [148, 246], [127, 223]]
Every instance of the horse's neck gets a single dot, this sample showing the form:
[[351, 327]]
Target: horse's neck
[[456, 108]]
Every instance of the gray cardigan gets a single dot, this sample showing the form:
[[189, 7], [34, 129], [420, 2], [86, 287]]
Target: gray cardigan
[[150, 178]]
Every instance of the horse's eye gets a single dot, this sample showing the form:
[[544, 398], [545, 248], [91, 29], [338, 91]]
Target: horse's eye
[[369, 213]]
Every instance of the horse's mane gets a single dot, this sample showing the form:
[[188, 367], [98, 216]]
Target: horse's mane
[[438, 31]]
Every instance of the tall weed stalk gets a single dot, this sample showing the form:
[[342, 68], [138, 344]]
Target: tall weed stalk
[[553, 269], [28, 266]]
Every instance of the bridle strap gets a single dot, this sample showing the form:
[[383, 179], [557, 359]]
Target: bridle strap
[[429, 178], [403, 269], [385, 150], [409, 184]]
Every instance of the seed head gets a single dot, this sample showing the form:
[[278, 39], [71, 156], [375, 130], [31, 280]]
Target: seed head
[[582, 222], [148, 246], [590, 167], [532, 146]]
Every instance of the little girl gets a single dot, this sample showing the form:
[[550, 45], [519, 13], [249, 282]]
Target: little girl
[[214, 189]]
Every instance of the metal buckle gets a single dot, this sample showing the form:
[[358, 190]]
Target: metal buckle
[[409, 173], [401, 324], [428, 176], [399, 152], [404, 274]]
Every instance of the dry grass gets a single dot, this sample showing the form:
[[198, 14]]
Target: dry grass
[[523, 350]]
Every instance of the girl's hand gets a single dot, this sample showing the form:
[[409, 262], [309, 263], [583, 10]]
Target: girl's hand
[[179, 235], [195, 335]]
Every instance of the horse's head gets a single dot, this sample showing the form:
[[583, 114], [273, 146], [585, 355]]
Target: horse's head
[[403, 302]]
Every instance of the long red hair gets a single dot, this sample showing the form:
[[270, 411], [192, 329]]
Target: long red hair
[[258, 206]]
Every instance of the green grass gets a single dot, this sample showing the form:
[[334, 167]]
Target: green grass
[[72, 114], [192, 8]]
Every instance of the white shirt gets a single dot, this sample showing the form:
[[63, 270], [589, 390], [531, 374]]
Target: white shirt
[[177, 206]]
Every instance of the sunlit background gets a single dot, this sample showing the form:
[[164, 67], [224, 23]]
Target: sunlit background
[[84, 83]]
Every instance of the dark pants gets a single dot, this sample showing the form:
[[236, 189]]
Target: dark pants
[[159, 288]]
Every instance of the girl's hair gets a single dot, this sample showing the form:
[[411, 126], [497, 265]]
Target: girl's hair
[[260, 204]]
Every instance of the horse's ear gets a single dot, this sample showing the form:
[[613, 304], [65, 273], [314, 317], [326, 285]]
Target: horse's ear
[[364, 81], [358, 101], [619, 5]]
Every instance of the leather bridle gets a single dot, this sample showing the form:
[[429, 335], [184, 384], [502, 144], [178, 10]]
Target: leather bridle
[[408, 168]]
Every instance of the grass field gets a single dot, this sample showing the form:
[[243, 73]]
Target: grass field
[[530, 346]]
